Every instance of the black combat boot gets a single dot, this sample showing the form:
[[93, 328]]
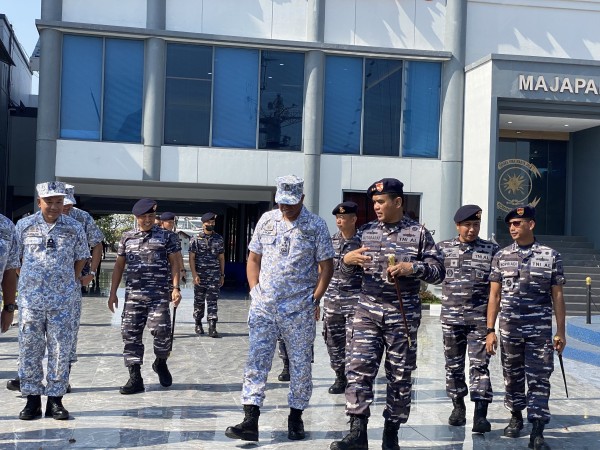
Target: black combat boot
[[14, 385], [55, 409], [339, 385], [199, 329], [458, 417], [33, 408], [212, 329], [480, 422], [357, 438], [164, 376], [248, 429], [295, 425], [536, 440], [69, 384], [135, 383], [285, 373], [513, 430], [390, 436]]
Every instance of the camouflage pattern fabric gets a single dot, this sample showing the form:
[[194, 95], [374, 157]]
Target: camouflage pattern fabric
[[9, 258], [206, 249], [527, 275], [378, 322]]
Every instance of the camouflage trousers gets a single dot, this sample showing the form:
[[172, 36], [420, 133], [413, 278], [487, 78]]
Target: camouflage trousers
[[458, 339], [282, 351], [337, 332], [531, 359], [41, 330], [378, 326], [75, 326], [208, 293], [297, 330], [137, 313]]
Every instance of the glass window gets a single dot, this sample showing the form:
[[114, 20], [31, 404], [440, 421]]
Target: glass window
[[235, 98], [343, 104], [383, 105], [81, 87], [281, 100], [422, 110], [123, 90], [187, 97]]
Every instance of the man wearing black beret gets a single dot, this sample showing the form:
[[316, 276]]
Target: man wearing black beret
[[465, 291], [148, 253], [393, 246], [168, 221], [526, 284], [340, 298]]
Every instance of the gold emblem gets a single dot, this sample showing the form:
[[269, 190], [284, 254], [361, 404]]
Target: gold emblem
[[342, 210], [520, 211], [379, 186], [478, 214]]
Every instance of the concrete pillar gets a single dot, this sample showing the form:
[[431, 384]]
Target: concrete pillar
[[49, 94], [451, 142], [312, 127], [154, 91]]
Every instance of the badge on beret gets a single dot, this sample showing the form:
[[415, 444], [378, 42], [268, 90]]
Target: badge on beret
[[342, 210], [379, 186], [478, 214], [520, 211]]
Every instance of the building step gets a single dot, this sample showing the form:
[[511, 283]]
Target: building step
[[553, 238], [583, 340]]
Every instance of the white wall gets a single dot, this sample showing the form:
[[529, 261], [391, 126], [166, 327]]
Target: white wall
[[556, 28], [409, 24], [125, 13]]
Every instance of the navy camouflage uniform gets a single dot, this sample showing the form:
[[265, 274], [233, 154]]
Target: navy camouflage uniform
[[338, 306], [465, 292], [207, 248], [48, 293], [527, 276], [147, 293], [9, 258], [378, 322]]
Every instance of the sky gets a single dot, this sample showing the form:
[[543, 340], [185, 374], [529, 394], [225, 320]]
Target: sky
[[22, 15]]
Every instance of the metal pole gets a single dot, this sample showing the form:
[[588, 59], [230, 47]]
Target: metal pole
[[588, 314]]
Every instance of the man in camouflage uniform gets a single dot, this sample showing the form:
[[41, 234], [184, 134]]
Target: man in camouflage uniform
[[207, 261], [340, 298], [391, 246], [53, 250], [9, 262], [465, 291], [526, 284], [168, 221], [289, 267], [148, 253]]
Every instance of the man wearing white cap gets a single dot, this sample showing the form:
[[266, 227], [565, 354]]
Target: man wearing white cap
[[53, 250], [289, 268]]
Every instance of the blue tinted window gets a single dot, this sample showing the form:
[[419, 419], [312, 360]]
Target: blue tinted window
[[281, 100], [422, 110], [383, 106], [123, 90], [81, 85], [187, 97], [343, 104], [235, 98]]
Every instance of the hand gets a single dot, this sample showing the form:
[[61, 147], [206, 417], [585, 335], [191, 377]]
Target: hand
[[197, 280], [222, 280], [402, 269], [176, 297], [559, 342], [7, 318], [317, 312], [491, 343], [356, 257], [113, 302], [86, 279]]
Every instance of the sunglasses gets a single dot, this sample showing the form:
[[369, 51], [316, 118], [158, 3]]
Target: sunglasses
[[516, 223]]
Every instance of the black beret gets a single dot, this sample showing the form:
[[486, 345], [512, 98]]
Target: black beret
[[522, 212], [386, 186], [143, 206], [208, 216], [467, 212], [167, 216], [345, 208]]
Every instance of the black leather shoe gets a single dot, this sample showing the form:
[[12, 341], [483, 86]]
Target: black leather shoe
[[55, 409], [295, 425], [199, 330], [14, 385], [33, 408]]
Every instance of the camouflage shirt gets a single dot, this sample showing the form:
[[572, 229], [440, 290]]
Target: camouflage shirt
[[465, 290], [8, 246], [48, 253], [148, 272], [342, 287], [207, 248], [93, 233], [527, 276]]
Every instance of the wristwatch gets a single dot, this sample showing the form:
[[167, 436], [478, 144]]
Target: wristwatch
[[489, 330], [415, 267], [10, 308], [177, 287]]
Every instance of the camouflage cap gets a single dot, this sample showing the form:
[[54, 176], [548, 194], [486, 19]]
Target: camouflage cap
[[289, 190], [70, 197], [51, 189]]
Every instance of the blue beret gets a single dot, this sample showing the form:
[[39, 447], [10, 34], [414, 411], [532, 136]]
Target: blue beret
[[143, 206], [345, 208], [386, 186], [167, 216], [467, 212], [522, 212], [208, 216]]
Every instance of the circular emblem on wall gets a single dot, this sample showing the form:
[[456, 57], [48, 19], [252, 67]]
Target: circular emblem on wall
[[515, 184]]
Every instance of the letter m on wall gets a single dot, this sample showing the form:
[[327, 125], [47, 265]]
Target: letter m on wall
[[526, 83]]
